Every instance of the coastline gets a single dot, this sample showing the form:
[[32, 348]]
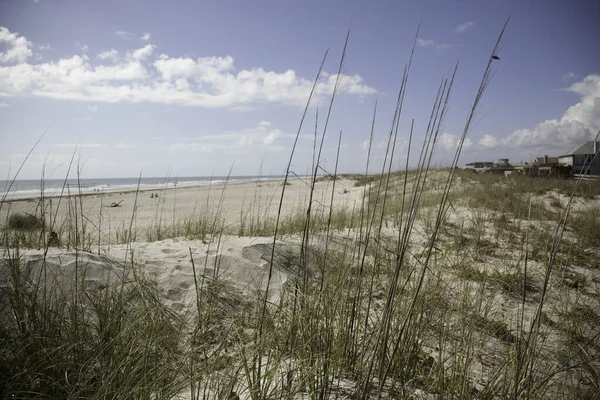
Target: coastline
[[174, 205], [16, 195]]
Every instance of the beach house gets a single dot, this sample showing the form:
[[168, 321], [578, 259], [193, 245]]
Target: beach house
[[583, 158]]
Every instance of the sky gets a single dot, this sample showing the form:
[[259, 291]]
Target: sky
[[207, 88]]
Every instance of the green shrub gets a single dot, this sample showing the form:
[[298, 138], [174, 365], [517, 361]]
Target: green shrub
[[24, 221]]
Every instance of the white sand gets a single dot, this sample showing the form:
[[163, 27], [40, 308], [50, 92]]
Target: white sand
[[240, 261], [175, 204]]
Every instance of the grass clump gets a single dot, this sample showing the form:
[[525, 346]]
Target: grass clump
[[116, 342], [24, 221], [512, 282], [586, 226], [494, 328]]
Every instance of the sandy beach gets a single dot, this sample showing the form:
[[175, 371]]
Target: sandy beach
[[241, 261], [188, 252], [170, 206]]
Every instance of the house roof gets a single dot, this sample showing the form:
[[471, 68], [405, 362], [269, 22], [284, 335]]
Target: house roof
[[586, 148], [551, 160]]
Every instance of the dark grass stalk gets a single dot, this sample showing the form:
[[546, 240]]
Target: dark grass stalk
[[80, 198], [381, 220], [305, 244], [257, 358], [131, 221], [442, 208], [62, 191], [373, 212], [337, 157], [174, 201], [395, 121], [520, 334], [100, 220], [531, 341], [396, 117], [21, 167], [366, 191], [382, 337]]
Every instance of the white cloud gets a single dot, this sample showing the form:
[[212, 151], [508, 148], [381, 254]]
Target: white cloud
[[488, 142], [425, 42], [92, 108], [569, 76], [433, 43], [18, 47], [45, 47], [579, 123], [449, 141], [464, 27], [124, 35], [125, 146], [80, 145], [111, 54], [264, 137], [55, 165], [2, 105], [142, 53], [202, 82], [146, 36], [83, 47]]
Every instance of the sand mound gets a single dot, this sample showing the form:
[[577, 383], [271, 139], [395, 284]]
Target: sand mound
[[237, 266]]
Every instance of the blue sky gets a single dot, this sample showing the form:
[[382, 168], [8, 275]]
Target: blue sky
[[192, 88]]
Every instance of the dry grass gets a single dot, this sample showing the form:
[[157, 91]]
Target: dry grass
[[429, 287]]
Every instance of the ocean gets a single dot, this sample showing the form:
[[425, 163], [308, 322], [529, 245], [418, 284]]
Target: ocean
[[30, 188]]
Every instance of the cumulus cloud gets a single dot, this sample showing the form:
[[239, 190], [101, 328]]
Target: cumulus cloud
[[450, 141], [464, 27], [55, 165], [124, 35], [488, 142], [18, 47], [579, 123], [45, 47], [425, 42], [264, 137], [141, 54], [432, 43], [111, 54], [202, 82], [146, 36], [80, 145], [83, 47]]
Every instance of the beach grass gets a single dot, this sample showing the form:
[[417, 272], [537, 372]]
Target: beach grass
[[428, 286]]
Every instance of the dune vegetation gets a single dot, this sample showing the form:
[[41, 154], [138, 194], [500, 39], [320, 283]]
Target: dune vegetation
[[436, 283]]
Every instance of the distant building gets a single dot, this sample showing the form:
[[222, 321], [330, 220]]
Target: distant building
[[479, 164], [583, 158], [545, 160], [497, 167], [546, 166], [502, 166]]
